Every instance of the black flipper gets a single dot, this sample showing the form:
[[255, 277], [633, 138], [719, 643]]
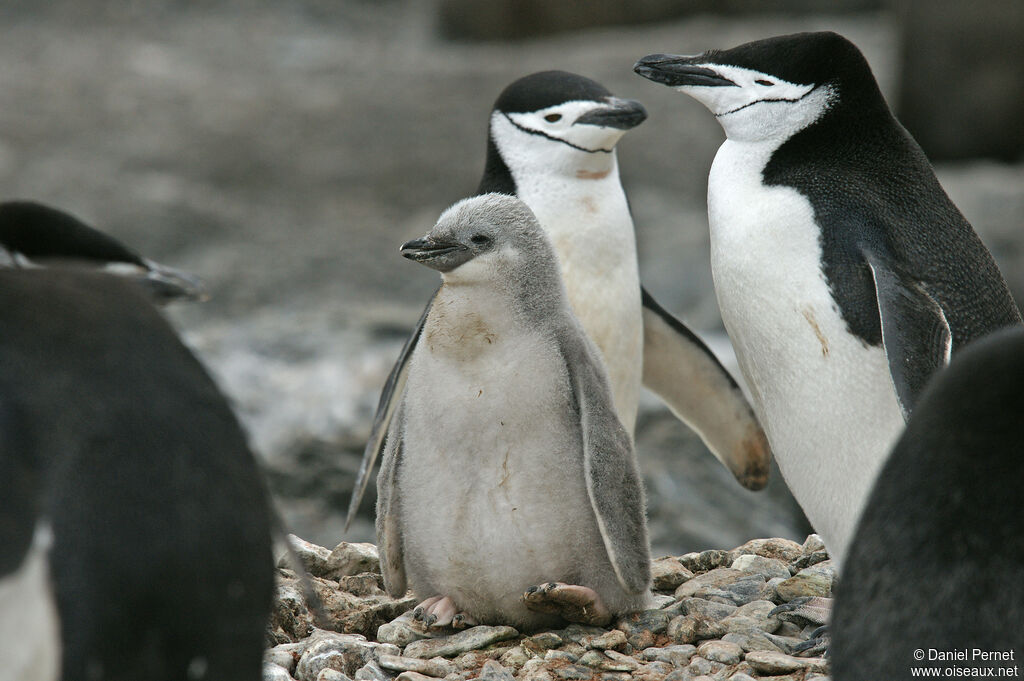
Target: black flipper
[[915, 333]]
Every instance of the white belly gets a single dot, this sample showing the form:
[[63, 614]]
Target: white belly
[[29, 625], [589, 224], [492, 466], [825, 398]]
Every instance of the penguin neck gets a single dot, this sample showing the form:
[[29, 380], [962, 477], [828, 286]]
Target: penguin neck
[[469, 318]]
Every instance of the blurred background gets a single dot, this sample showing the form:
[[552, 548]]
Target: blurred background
[[283, 150]]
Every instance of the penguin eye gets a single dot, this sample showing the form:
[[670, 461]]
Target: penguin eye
[[480, 239], [764, 82], [553, 118]]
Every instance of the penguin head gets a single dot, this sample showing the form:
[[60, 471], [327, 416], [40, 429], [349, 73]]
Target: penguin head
[[36, 235], [487, 238], [554, 119], [772, 88]]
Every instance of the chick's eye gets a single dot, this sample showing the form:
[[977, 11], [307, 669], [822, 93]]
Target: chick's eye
[[553, 118], [479, 239], [764, 82]]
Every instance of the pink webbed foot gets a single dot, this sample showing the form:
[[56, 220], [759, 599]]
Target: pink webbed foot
[[572, 602], [440, 611]]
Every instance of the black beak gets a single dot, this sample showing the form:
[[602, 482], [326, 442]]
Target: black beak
[[624, 114], [442, 256], [675, 70]]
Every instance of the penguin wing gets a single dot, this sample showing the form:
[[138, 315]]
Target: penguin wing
[[915, 332], [389, 526], [683, 371], [394, 387], [613, 481]]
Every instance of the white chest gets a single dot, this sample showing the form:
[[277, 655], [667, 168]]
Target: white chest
[[824, 397], [493, 454], [589, 224]]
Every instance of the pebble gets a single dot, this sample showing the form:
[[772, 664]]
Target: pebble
[[642, 627], [815, 580], [404, 630], [784, 550], [771, 663], [492, 671], [740, 676], [612, 639], [538, 643], [724, 585], [345, 653], [721, 651], [692, 628], [413, 676], [273, 672], [285, 655], [331, 675], [675, 655], [705, 560], [563, 655], [515, 657], [707, 609], [668, 573], [371, 672], [619, 662], [769, 568], [752, 640], [364, 584], [434, 667], [312, 557], [351, 559], [464, 641]]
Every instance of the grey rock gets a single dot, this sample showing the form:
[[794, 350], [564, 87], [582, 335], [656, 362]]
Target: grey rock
[[463, 641], [312, 556], [573, 672], [769, 568], [788, 629], [704, 608], [668, 573], [692, 628], [437, 667], [285, 655], [642, 627], [413, 676], [785, 550], [563, 655], [593, 658], [614, 676], [617, 662], [721, 651], [805, 611], [273, 672], [740, 676], [579, 632], [815, 580], [767, 662], [345, 653], [351, 559], [724, 585], [753, 615], [705, 560], [613, 639], [702, 666], [752, 639], [810, 559], [492, 671], [365, 584], [812, 544], [331, 675], [371, 671], [538, 643], [770, 590], [675, 655], [655, 670], [403, 630], [516, 657]]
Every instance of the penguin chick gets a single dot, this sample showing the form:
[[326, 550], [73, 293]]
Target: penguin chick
[[509, 489], [35, 235], [551, 143], [844, 273]]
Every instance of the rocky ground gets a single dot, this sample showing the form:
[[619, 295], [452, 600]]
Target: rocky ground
[[283, 151], [736, 615]]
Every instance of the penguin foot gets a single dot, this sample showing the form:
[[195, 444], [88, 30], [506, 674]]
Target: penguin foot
[[805, 610], [572, 602], [440, 611]]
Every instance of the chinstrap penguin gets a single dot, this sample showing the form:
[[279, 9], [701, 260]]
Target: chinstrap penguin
[[507, 418], [551, 143], [135, 527], [935, 561], [35, 235], [844, 274]]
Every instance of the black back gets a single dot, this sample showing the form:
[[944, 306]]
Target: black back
[[160, 517], [39, 231], [532, 93], [872, 187], [936, 560]]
